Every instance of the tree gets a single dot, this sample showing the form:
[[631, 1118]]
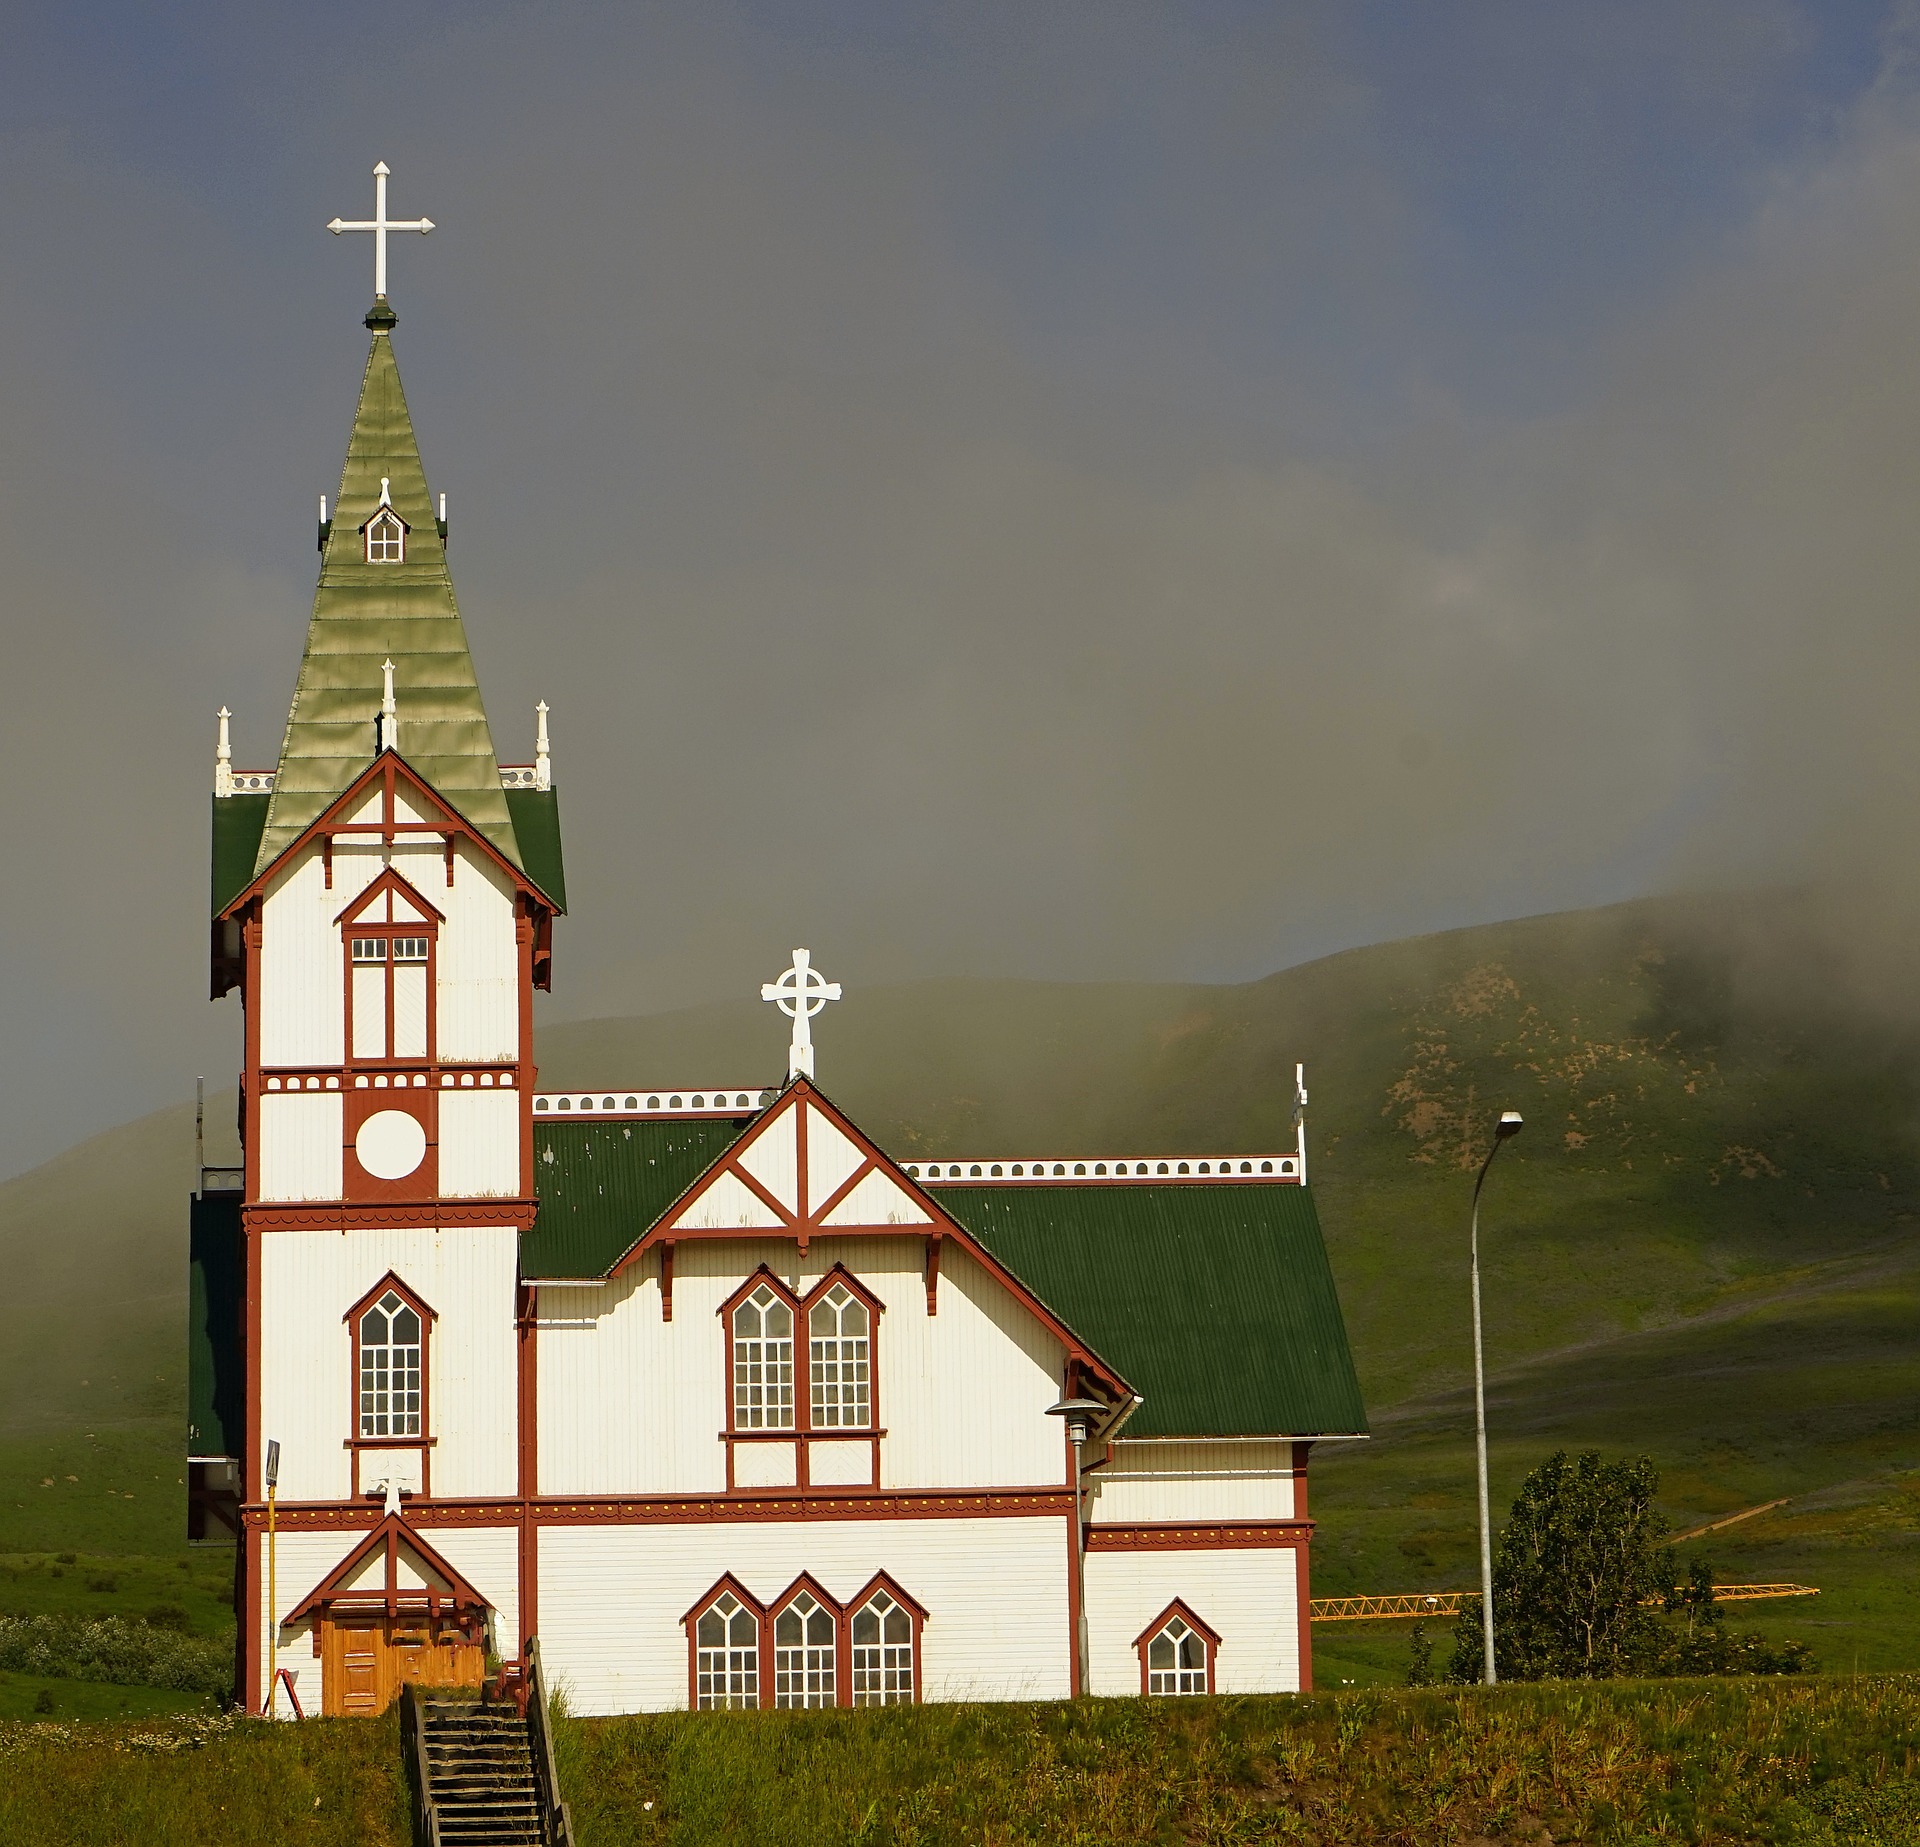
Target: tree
[[1581, 1555]]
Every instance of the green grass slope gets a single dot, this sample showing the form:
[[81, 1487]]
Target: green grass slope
[[1706, 1244]]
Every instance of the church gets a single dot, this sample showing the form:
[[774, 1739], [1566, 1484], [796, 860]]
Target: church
[[699, 1386]]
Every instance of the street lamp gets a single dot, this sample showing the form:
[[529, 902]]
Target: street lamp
[[1504, 1131], [1080, 1415], [272, 1473]]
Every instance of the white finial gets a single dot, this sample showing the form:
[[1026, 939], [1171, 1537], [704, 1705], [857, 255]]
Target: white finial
[[443, 509], [386, 491], [542, 761], [392, 1488], [389, 728], [800, 993], [380, 224], [223, 758], [323, 509]]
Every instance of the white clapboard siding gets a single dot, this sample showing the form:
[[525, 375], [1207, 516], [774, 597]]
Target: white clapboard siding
[[995, 1591], [1145, 1482], [879, 1199], [477, 963], [300, 1145], [832, 1157], [727, 1204], [488, 1557], [841, 1465], [771, 1160], [765, 1465], [308, 1282], [631, 1404], [302, 992], [480, 1144], [1250, 1597]]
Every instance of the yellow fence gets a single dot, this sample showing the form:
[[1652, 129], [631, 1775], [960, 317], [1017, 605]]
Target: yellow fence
[[1449, 1602]]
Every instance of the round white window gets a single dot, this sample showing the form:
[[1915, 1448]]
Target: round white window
[[390, 1144]]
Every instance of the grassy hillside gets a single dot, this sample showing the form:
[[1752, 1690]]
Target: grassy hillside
[[1706, 1244], [1792, 1764]]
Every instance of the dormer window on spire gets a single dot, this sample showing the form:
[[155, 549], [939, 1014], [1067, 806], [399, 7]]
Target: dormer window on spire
[[385, 531]]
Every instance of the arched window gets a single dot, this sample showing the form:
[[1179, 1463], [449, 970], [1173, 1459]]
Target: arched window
[[763, 1362], [726, 1656], [386, 538], [392, 1347], [882, 1660], [838, 1328], [804, 1647], [1177, 1653]]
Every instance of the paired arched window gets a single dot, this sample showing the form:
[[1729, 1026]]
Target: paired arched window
[[803, 1649], [392, 1343], [763, 1362], [1177, 1653], [839, 1321]]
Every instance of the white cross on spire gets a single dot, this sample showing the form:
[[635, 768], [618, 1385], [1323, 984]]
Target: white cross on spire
[[800, 993], [380, 224]]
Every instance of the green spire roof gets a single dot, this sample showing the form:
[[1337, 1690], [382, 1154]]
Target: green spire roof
[[364, 614]]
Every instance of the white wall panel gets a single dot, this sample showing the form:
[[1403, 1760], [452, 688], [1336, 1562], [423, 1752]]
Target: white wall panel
[[300, 1145], [302, 995], [480, 1144], [302, 1560], [477, 962], [1250, 1597], [727, 1204], [309, 1279], [878, 1200], [765, 1465], [611, 1599], [831, 1158], [771, 1159], [1152, 1481], [631, 1404], [488, 1557], [841, 1465]]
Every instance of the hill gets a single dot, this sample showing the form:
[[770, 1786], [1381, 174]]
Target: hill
[[1706, 1244]]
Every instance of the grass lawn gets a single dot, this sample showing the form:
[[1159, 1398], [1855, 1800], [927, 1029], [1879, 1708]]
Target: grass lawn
[[28, 1696]]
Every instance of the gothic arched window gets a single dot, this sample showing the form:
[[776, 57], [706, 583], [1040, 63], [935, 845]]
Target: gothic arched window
[[1177, 1653], [840, 1358], [805, 1651], [884, 1638], [726, 1655], [763, 1362], [391, 1338]]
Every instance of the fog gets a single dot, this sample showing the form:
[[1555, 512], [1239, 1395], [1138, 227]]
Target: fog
[[1074, 492]]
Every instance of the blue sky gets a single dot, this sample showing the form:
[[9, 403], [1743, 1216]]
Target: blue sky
[[1174, 490]]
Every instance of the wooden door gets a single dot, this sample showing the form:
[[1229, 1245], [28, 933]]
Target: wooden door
[[367, 1659]]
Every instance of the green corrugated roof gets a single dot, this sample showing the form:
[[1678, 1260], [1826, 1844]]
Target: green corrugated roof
[[601, 1185], [1216, 1302], [366, 613], [536, 825], [216, 1388], [238, 821]]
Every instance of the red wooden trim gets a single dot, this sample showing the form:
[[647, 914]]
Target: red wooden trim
[[828, 1206], [1302, 1567], [390, 880], [527, 1411], [933, 1274], [914, 1608], [775, 1504], [364, 1215], [1185, 1612], [386, 772], [689, 1622], [1209, 1536], [804, 1228], [253, 1566], [388, 1536], [666, 1291]]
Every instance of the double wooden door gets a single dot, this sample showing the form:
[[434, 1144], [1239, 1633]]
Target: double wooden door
[[367, 1658]]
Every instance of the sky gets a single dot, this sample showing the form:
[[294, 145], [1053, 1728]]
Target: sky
[[1073, 491]]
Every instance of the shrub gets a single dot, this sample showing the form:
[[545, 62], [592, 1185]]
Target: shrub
[[123, 1653]]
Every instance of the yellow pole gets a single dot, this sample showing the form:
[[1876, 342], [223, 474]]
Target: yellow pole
[[273, 1596]]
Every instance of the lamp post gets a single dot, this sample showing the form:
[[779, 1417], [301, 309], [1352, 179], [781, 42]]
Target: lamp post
[[1079, 1415], [273, 1577], [1504, 1131]]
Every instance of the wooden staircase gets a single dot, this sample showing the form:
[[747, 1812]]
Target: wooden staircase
[[482, 1773]]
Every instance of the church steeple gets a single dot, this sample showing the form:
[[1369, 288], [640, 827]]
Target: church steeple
[[385, 593]]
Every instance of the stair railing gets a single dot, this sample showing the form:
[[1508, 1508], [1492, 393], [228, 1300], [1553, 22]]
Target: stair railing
[[413, 1746], [556, 1819]]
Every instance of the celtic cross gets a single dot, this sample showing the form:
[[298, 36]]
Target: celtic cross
[[800, 993], [380, 224]]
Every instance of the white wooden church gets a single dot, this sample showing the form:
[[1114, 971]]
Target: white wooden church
[[699, 1386]]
